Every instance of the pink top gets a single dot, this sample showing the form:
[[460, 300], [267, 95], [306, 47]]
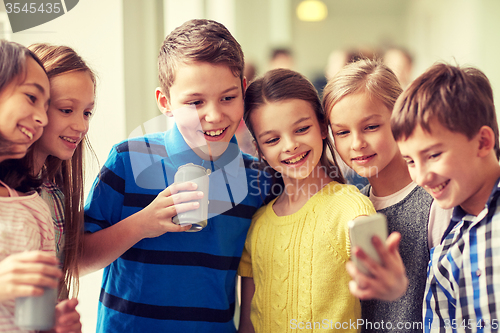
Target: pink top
[[25, 225]]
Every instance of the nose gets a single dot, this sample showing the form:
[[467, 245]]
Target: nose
[[358, 142], [213, 114], [40, 117], [80, 123], [290, 144], [420, 175]]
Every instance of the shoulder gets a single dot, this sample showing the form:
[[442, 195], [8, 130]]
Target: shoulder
[[336, 198], [153, 143]]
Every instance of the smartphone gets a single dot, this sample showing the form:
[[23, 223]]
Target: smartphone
[[361, 231]]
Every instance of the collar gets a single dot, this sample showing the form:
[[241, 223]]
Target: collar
[[180, 153]]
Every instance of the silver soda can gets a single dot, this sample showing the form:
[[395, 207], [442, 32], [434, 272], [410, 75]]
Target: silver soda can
[[199, 175], [37, 313]]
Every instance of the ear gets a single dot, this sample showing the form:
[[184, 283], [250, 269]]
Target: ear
[[162, 102], [486, 138], [257, 149], [324, 131], [244, 82]]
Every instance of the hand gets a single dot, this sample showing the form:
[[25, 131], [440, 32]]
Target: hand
[[156, 218], [27, 273], [388, 281], [67, 318]]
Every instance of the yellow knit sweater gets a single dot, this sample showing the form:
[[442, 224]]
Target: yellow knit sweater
[[298, 264]]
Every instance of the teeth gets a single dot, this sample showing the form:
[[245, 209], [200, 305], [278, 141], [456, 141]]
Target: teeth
[[439, 187], [295, 160], [28, 133], [214, 133], [68, 139]]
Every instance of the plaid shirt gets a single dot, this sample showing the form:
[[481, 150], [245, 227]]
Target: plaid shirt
[[463, 277], [53, 196]]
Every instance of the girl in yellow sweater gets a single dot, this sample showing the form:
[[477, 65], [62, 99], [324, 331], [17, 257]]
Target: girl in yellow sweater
[[293, 264]]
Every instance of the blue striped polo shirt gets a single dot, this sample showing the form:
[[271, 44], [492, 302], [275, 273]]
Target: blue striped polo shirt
[[178, 282]]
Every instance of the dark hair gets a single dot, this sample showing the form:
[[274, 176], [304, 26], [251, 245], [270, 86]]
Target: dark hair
[[202, 41], [13, 57], [460, 98], [284, 84]]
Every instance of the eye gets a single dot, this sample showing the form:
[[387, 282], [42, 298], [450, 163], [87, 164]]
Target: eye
[[32, 98], [372, 127], [88, 114], [66, 111], [228, 98], [194, 103], [434, 156], [409, 162], [271, 141], [303, 129], [341, 133]]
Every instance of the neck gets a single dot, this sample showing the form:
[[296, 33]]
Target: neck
[[298, 191], [39, 159], [392, 178]]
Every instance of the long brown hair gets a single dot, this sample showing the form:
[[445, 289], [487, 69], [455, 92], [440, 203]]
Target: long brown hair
[[67, 175], [13, 57], [284, 84]]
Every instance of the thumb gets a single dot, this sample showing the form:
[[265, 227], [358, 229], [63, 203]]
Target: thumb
[[393, 241]]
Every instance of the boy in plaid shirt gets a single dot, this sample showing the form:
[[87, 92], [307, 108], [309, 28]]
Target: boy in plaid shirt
[[446, 128]]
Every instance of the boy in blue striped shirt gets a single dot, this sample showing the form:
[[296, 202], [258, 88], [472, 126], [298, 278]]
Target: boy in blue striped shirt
[[446, 128], [156, 278]]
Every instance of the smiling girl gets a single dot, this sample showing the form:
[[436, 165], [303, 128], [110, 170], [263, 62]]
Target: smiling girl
[[57, 157], [359, 102], [27, 253], [293, 265]]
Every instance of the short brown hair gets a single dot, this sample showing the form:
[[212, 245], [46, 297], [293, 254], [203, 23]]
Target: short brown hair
[[460, 98], [370, 76], [198, 40]]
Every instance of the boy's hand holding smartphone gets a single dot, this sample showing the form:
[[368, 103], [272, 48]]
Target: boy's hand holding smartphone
[[377, 269]]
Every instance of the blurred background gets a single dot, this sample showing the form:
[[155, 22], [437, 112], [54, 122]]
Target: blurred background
[[120, 40]]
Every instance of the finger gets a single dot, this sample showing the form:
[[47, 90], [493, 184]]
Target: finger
[[182, 207], [177, 187], [185, 197], [363, 294], [393, 241], [371, 265], [357, 276], [31, 270], [35, 256]]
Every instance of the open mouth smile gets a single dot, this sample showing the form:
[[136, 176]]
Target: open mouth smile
[[439, 187], [26, 132], [296, 159], [68, 139], [215, 133]]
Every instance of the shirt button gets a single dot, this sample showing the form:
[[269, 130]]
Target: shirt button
[[478, 272]]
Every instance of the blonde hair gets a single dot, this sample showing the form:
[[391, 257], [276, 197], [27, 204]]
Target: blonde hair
[[368, 76]]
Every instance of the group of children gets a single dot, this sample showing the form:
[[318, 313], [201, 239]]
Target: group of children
[[430, 153]]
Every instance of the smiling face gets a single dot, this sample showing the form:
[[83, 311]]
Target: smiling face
[[444, 163], [362, 133], [72, 101], [293, 145], [23, 109], [206, 101]]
